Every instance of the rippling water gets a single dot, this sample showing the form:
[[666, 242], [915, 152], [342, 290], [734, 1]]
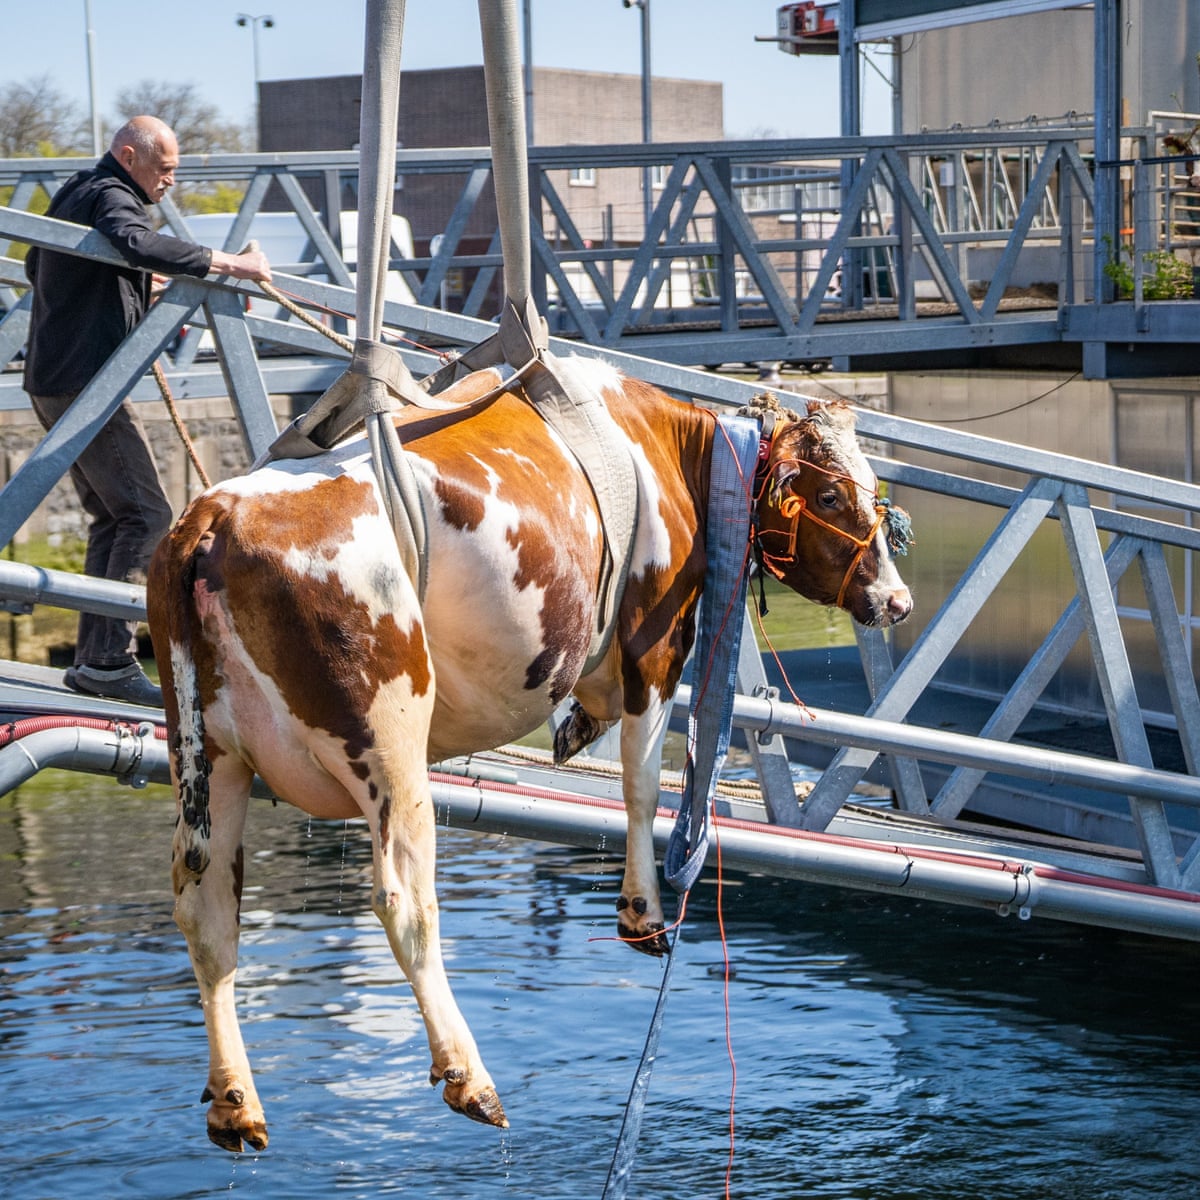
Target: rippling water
[[885, 1049]]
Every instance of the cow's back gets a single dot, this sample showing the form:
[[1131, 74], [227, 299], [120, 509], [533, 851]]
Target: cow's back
[[286, 589]]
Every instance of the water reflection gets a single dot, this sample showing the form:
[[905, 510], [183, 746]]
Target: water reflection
[[884, 1048]]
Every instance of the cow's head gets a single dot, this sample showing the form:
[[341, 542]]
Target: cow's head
[[822, 527]]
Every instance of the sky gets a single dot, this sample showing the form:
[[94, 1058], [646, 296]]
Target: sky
[[767, 93]]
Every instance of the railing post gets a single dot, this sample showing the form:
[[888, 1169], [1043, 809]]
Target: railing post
[[1141, 222], [726, 271]]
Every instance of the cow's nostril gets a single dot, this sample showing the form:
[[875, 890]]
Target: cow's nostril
[[900, 605]]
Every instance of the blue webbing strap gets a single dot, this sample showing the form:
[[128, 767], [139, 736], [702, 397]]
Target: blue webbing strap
[[718, 637], [709, 723]]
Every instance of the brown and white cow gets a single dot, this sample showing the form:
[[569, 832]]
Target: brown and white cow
[[291, 644]]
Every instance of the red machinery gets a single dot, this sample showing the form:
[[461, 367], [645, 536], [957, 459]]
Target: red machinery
[[807, 27]]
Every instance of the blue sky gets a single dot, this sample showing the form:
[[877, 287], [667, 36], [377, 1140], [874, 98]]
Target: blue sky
[[767, 92]]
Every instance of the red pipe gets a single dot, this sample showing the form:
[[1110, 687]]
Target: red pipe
[[13, 731]]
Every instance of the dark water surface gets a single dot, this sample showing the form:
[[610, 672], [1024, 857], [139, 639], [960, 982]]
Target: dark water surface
[[884, 1048]]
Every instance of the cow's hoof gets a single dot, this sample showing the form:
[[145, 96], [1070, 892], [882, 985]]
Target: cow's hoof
[[483, 1106], [486, 1109], [232, 1122], [578, 730], [231, 1135], [650, 940]]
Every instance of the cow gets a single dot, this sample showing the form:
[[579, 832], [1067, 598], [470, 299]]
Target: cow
[[293, 646]]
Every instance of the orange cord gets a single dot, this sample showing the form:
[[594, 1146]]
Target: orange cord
[[728, 974]]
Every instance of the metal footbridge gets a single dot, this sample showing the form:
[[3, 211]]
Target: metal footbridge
[[1007, 246], [1120, 850], [1109, 838]]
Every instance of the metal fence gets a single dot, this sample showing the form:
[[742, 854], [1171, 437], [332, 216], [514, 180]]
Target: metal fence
[[1081, 502], [763, 243]]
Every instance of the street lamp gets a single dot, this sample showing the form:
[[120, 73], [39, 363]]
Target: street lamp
[[254, 21], [644, 5], [94, 111]]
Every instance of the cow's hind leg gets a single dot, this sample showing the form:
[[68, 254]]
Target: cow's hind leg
[[207, 874], [403, 836]]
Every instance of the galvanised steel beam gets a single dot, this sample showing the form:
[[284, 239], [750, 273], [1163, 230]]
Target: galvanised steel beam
[[53, 457], [1056, 489]]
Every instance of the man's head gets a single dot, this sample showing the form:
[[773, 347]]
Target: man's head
[[147, 149]]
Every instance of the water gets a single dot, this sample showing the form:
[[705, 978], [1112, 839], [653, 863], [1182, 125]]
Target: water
[[885, 1049]]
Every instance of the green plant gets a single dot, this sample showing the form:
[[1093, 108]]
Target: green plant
[[1165, 277]]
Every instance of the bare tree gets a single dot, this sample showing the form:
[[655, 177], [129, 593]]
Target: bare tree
[[37, 119], [199, 126]]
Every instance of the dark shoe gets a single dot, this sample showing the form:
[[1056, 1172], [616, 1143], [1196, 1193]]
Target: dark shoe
[[121, 683]]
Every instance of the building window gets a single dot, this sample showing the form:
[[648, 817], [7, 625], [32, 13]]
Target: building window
[[658, 176], [582, 177]]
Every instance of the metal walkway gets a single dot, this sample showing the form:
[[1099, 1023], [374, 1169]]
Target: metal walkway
[[1146, 878], [941, 249]]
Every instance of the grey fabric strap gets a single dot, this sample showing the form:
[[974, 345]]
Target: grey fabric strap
[[378, 381]]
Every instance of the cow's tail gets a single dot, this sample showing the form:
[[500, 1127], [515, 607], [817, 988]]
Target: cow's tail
[[175, 628]]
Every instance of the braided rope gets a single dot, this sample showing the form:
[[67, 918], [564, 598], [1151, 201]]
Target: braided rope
[[165, 391], [307, 317]]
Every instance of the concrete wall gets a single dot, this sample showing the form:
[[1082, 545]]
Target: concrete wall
[[1041, 65], [1147, 425], [210, 424]]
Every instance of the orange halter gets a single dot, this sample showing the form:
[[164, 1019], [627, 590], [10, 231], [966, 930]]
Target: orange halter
[[793, 507]]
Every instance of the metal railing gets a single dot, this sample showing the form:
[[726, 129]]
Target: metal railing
[[962, 226], [1058, 493], [925, 217]]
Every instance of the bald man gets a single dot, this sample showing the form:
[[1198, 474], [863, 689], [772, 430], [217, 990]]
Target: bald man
[[82, 311]]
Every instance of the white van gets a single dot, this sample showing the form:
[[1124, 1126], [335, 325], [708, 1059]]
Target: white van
[[284, 241]]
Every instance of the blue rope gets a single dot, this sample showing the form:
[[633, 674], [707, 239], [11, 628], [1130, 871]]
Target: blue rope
[[710, 720]]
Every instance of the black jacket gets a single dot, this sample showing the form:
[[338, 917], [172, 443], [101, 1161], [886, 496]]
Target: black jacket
[[83, 309]]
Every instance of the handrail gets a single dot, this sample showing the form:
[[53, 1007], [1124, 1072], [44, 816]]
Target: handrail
[[763, 257], [1052, 492]]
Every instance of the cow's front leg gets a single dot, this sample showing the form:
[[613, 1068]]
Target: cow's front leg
[[404, 852], [208, 893], [640, 919]]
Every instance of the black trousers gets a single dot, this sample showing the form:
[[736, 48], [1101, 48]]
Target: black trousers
[[128, 513]]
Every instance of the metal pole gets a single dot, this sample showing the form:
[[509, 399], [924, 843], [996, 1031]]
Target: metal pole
[[851, 127], [647, 134], [1107, 71], [254, 21], [97, 148], [647, 124], [528, 39]]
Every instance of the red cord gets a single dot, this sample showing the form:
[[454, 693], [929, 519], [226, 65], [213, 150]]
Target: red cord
[[443, 355], [728, 1012]]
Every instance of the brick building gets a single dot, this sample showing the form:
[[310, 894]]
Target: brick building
[[448, 108]]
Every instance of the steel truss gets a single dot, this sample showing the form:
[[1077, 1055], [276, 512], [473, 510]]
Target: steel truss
[[1102, 544], [948, 218]]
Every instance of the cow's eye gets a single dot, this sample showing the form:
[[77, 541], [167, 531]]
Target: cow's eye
[[828, 498]]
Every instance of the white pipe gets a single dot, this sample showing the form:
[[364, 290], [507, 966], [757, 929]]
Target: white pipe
[[135, 754], [139, 757], [826, 727], [844, 862]]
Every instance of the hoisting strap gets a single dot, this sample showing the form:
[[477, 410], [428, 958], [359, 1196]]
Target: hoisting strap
[[718, 638], [710, 721]]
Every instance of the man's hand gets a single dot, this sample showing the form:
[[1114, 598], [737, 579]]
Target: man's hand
[[250, 264]]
